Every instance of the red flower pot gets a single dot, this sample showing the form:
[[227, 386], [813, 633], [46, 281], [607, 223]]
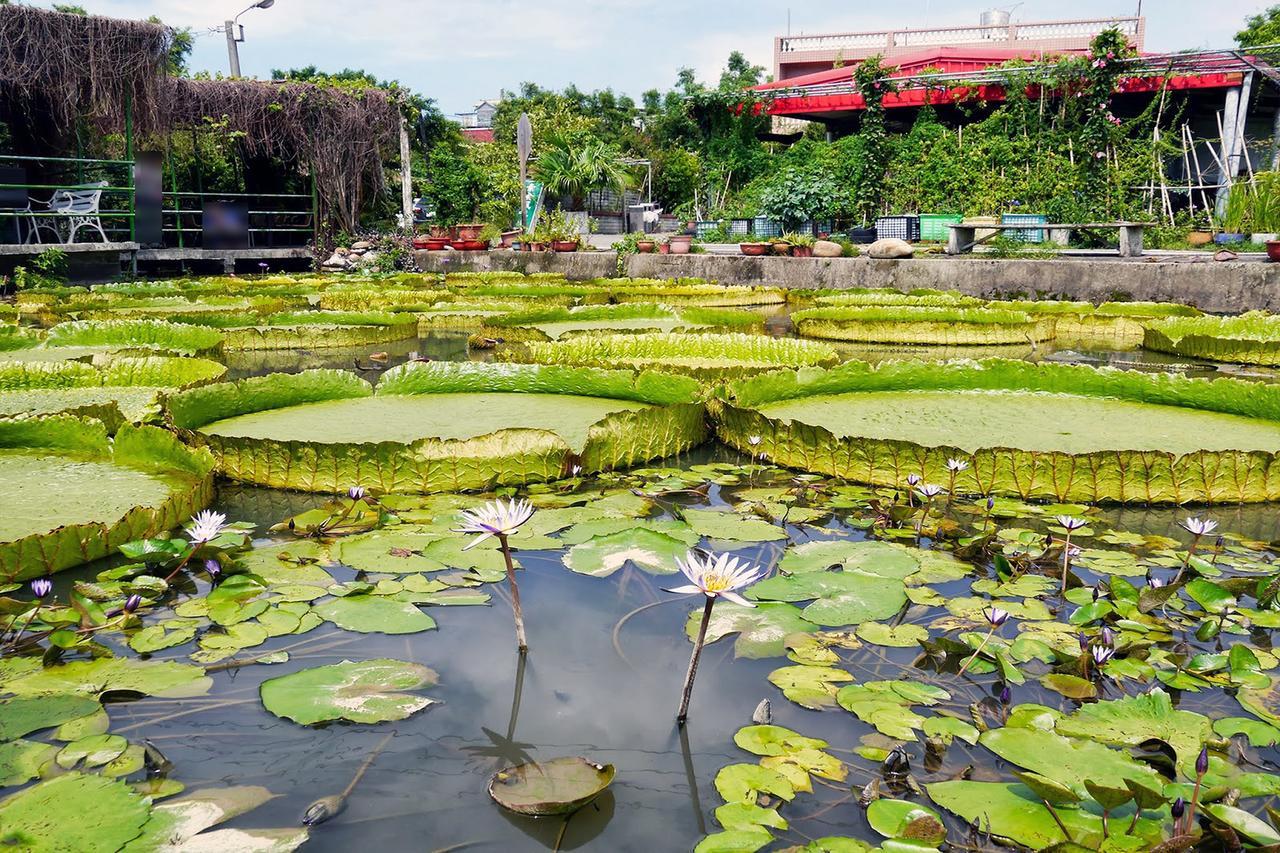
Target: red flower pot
[[645, 247], [564, 245], [802, 251], [1273, 250], [432, 244], [466, 233], [753, 249], [664, 249]]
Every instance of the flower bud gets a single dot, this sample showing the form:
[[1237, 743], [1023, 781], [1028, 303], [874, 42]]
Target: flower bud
[[1202, 761]]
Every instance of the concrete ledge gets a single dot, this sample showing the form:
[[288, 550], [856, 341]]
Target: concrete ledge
[[1229, 287], [24, 249]]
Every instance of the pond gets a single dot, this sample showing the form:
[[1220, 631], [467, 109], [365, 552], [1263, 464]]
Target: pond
[[912, 670]]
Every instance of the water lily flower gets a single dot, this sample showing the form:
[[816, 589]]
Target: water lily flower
[[991, 503], [1005, 695], [1198, 526], [996, 616], [498, 518], [914, 480], [1101, 654], [754, 441], [1155, 583], [41, 587], [720, 575], [205, 526], [715, 576], [929, 491], [213, 567], [1178, 809], [575, 471], [1107, 636], [356, 492], [957, 465], [501, 519], [1202, 761], [1070, 523], [132, 603]]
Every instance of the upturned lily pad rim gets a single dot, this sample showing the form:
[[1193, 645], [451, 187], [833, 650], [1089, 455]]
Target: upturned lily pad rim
[[1122, 476], [145, 448], [606, 773]]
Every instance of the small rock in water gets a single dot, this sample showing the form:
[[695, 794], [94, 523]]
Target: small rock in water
[[763, 715]]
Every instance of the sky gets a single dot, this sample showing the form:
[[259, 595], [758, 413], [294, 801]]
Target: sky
[[461, 52]]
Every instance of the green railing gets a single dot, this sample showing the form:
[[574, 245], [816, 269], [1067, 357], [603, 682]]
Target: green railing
[[275, 219]]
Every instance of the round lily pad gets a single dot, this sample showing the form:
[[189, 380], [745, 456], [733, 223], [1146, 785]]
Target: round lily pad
[[371, 691], [558, 786], [72, 812], [907, 820], [369, 614]]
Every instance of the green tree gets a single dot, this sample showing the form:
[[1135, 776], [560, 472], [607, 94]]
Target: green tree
[[1263, 28]]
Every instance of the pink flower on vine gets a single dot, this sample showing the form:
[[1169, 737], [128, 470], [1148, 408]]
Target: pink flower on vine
[[1111, 54]]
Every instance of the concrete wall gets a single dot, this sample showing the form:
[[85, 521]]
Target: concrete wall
[[1229, 287]]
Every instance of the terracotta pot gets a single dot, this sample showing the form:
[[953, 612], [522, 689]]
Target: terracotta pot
[[664, 249], [781, 248], [564, 245], [1273, 250], [1199, 238], [469, 245], [509, 238], [537, 247], [466, 232], [802, 251], [433, 244], [753, 249], [420, 242], [645, 247], [680, 244]]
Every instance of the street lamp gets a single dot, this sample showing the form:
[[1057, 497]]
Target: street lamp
[[233, 53]]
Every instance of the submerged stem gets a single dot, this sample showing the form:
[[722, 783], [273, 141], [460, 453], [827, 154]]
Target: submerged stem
[[521, 642], [693, 662], [1066, 560]]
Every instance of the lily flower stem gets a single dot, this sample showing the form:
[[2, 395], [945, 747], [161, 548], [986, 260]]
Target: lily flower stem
[[951, 488], [521, 642], [18, 634], [977, 651], [1066, 560], [1195, 803], [1133, 824], [1058, 820], [693, 662], [187, 559]]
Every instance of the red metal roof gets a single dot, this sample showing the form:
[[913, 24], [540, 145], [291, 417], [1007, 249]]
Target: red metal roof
[[478, 134]]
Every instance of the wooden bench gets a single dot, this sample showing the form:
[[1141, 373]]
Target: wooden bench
[[964, 237]]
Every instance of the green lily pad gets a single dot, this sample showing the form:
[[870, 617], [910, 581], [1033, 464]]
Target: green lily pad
[[180, 824], [1251, 827], [21, 760], [94, 751], [838, 598], [731, 527], [22, 715], [600, 557], [1069, 761], [105, 675], [389, 552], [893, 636], [742, 783], [885, 559], [371, 614], [906, 820], [1133, 720], [372, 691], [1071, 686], [813, 687], [555, 787], [734, 841], [887, 705], [774, 740], [72, 812], [761, 630], [747, 815]]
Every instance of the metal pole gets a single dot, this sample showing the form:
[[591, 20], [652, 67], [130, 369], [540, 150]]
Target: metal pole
[[128, 155], [233, 52], [406, 177]]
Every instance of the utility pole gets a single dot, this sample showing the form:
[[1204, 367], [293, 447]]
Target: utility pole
[[233, 53]]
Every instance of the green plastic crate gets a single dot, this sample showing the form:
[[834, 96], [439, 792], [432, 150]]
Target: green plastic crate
[[933, 226]]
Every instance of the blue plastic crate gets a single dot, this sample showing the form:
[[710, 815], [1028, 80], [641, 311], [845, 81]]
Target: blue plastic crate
[[1025, 235], [765, 227], [739, 227]]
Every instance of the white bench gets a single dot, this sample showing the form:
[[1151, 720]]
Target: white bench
[[79, 207]]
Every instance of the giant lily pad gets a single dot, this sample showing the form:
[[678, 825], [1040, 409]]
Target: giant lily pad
[[439, 426], [1136, 719], [1064, 432], [558, 786], [372, 691]]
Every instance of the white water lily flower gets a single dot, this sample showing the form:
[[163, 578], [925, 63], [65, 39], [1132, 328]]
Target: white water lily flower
[[494, 519], [929, 491], [717, 575], [914, 479], [1198, 526], [753, 440], [956, 465], [1070, 522], [205, 526]]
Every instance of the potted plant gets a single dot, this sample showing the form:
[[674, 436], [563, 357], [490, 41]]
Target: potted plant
[[780, 245], [753, 249], [508, 238], [678, 244], [801, 245], [646, 245]]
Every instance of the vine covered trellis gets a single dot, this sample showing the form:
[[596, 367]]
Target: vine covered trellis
[[60, 72]]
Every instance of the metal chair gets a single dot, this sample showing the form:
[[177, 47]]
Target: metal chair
[[78, 205]]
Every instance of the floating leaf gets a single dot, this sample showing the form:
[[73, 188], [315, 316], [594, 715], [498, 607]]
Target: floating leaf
[[1136, 719], [812, 687], [370, 691], [371, 614], [762, 630], [600, 557], [893, 636], [839, 598], [906, 820], [884, 559], [94, 751], [1069, 761], [555, 787], [742, 783], [21, 760], [731, 527], [22, 715], [1071, 686], [887, 704], [1251, 827], [72, 812], [105, 675], [774, 740]]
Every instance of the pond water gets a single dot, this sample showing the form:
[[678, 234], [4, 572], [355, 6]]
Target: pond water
[[603, 673]]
